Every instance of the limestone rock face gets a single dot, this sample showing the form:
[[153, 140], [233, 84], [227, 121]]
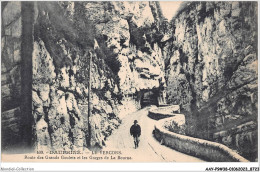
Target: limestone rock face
[[11, 74], [212, 69], [125, 30], [122, 38]]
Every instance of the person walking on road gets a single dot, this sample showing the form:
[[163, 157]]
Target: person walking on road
[[135, 131]]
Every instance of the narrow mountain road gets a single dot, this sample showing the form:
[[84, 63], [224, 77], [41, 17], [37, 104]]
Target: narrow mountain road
[[149, 150]]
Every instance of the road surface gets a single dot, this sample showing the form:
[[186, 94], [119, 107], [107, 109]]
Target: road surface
[[149, 150]]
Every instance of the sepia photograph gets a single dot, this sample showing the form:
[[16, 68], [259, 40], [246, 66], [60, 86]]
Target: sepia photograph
[[129, 81]]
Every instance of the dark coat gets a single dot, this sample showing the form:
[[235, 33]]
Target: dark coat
[[135, 130]]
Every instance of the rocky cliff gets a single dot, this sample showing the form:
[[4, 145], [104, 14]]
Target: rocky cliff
[[122, 38], [212, 70], [11, 73]]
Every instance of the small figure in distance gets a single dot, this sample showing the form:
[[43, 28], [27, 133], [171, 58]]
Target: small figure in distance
[[135, 131]]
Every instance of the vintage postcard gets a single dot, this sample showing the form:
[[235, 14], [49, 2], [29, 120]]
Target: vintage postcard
[[121, 81]]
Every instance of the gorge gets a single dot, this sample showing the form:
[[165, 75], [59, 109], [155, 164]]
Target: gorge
[[204, 59]]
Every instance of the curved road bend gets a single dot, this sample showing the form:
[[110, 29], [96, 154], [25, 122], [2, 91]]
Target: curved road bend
[[149, 150]]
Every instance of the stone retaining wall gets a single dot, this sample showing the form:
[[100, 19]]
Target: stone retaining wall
[[164, 112], [197, 147]]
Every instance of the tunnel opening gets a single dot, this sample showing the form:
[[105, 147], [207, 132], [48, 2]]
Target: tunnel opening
[[154, 96], [149, 97]]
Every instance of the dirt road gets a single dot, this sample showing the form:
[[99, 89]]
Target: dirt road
[[149, 150]]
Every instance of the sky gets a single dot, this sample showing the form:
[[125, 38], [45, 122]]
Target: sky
[[169, 8]]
